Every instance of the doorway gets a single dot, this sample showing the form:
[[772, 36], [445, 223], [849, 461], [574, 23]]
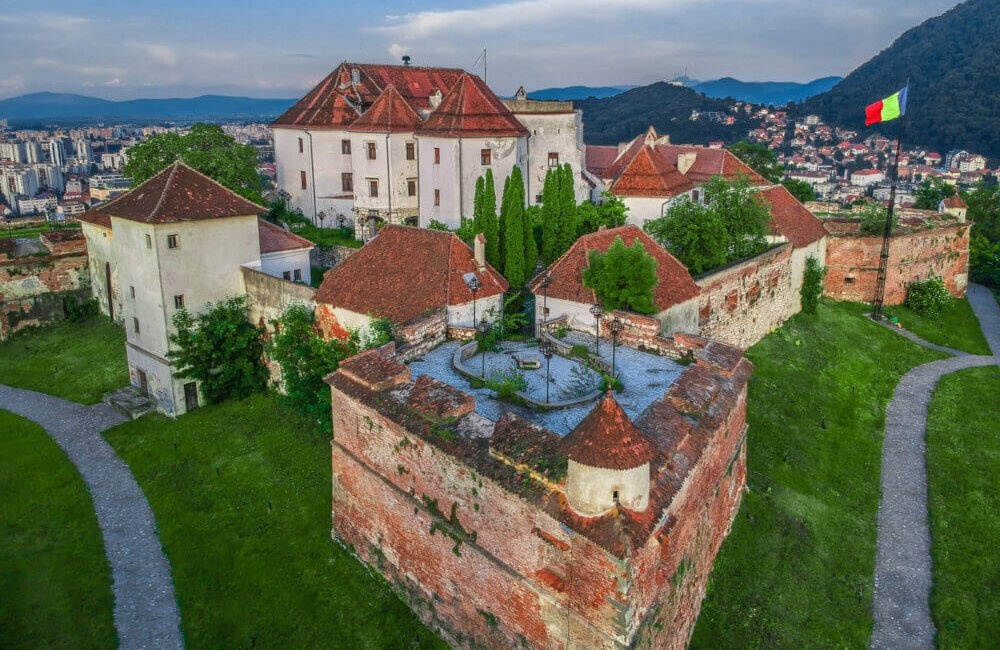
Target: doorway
[[190, 396], [107, 287], [143, 382]]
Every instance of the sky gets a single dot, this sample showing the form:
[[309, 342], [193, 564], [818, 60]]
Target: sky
[[281, 48]]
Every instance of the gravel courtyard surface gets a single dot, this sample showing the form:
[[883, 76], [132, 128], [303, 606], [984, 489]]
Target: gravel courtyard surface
[[645, 376]]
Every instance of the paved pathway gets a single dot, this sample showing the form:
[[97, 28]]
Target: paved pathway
[[145, 607], [903, 572]]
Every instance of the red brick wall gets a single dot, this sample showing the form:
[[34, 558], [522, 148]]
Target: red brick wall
[[32, 287], [852, 263]]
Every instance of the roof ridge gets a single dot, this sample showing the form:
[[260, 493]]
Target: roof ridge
[[166, 187]]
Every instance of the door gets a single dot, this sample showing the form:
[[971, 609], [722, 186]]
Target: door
[[143, 382], [191, 396], [107, 286]]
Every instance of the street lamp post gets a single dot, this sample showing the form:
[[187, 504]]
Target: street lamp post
[[547, 350], [546, 281], [483, 327], [597, 309], [474, 286], [616, 327]]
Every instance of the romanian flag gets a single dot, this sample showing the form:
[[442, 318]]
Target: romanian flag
[[888, 109]]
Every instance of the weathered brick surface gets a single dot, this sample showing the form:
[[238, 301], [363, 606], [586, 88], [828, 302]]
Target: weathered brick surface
[[494, 558], [852, 260], [422, 334]]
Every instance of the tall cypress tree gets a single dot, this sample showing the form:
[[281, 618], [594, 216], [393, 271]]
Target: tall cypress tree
[[491, 226], [512, 230], [550, 217], [477, 206], [527, 227], [567, 209]]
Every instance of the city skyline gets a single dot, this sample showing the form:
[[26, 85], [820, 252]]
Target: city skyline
[[141, 49]]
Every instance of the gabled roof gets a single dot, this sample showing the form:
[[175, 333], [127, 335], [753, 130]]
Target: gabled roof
[[389, 114], [178, 193], [673, 287], [607, 439], [347, 92], [791, 219], [95, 217], [275, 239], [649, 174], [954, 202], [471, 109], [405, 272], [598, 158]]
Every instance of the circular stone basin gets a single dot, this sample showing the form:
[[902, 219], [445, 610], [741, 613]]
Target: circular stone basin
[[569, 381]]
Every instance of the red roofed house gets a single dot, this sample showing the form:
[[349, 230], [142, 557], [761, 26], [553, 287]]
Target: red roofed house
[[955, 206], [405, 273], [179, 240], [377, 144]]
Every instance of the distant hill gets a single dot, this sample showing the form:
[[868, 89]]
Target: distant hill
[[577, 92], [666, 107], [39, 107], [774, 93], [952, 62]]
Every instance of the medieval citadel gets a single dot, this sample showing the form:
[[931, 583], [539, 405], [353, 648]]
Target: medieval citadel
[[587, 520]]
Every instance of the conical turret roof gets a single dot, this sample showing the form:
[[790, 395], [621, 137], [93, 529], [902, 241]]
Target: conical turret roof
[[607, 439]]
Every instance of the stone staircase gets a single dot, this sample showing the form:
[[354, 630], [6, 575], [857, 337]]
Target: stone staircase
[[129, 402]]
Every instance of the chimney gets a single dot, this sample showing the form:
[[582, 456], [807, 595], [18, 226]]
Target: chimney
[[435, 98], [685, 161], [355, 76], [479, 251]]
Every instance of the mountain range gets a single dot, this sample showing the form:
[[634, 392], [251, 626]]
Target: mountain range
[[775, 93], [41, 107], [951, 62]]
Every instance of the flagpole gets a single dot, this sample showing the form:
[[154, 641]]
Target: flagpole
[[883, 264]]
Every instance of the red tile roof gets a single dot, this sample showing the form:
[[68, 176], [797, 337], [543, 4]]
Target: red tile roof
[[389, 114], [470, 109], [599, 158], [674, 285], [95, 217], [955, 202], [274, 239], [790, 219], [649, 174], [178, 193], [405, 272], [338, 100], [606, 438]]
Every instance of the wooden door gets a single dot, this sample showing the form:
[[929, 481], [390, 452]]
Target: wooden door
[[191, 396]]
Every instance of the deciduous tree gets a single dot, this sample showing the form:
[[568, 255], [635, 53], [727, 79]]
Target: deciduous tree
[[760, 159], [623, 277], [693, 233]]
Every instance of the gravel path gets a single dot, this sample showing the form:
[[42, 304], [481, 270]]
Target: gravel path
[[146, 613], [903, 571]]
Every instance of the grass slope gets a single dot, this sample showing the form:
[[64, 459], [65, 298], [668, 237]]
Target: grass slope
[[76, 361], [55, 583], [963, 465], [956, 327], [797, 569], [241, 493]]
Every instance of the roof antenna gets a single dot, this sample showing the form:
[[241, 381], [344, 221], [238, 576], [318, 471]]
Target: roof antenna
[[482, 55]]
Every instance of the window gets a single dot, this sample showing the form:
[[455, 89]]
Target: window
[[287, 275], [301, 147], [370, 146], [173, 241], [149, 241], [131, 291], [484, 156], [538, 198], [297, 275], [135, 324], [553, 159], [373, 187], [437, 197], [345, 147], [694, 195], [347, 181], [411, 150], [614, 496], [411, 187], [179, 301], [437, 155], [302, 180]]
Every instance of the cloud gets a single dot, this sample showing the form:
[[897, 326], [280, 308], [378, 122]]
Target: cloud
[[113, 82], [163, 54]]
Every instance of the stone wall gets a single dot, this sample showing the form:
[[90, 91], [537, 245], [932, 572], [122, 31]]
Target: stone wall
[[327, 258], [268, 297], [419, 336], [36, 275], [915, 253], [741, 303]]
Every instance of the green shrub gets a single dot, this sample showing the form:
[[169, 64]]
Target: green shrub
[[438, 225], [812, 284], [611, 383], [78, 311], [506, 383], [928, 297], [873, 217]]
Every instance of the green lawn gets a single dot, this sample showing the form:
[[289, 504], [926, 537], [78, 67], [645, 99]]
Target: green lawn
[[55, 583], [963, 465], [956, 327], [797, 569], [76, 361], [327, 236], [35, 230], [241, 493]]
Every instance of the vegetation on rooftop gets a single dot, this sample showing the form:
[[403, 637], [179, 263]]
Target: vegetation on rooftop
[[76, 361], [54, 576], [623, 277], [963, 457], [785, 578], [873, 217]]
